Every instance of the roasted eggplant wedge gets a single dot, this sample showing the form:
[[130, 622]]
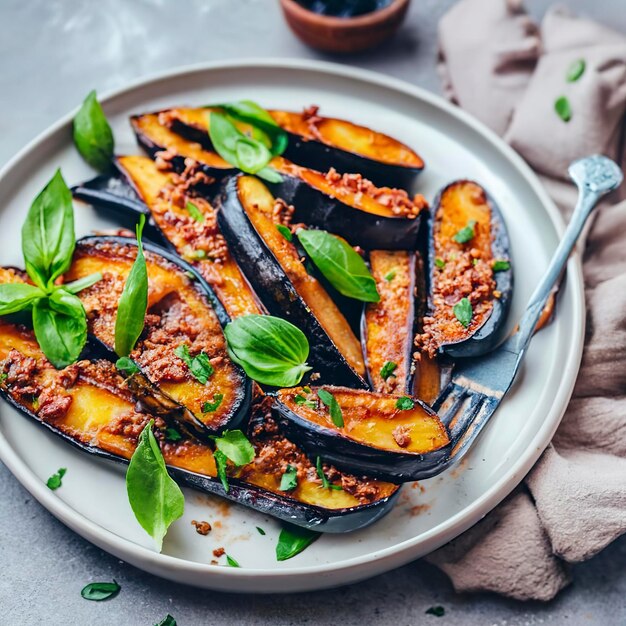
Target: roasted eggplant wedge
[[470, 278], [323, 143], [377, 437], [348, 205], [182, 315], [90, 407], [387, 326], [247, 217]]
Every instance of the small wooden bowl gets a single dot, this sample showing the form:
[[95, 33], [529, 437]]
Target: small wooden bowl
[[344, 34]]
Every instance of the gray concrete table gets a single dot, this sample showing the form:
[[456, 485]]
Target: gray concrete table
[[51, 54]]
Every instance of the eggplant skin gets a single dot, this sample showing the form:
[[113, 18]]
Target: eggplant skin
[[279, 296], [243, 402], [360, 228], [352, 456], [491, 332]]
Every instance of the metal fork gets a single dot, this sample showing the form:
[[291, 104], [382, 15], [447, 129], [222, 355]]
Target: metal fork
[[478, 385]]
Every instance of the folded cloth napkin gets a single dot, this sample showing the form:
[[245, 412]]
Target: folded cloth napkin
[[496, 63]]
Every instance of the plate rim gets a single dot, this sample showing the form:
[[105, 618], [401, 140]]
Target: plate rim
[[376, 562]]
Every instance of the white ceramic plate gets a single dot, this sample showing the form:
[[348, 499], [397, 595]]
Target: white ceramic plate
[[93, 500]]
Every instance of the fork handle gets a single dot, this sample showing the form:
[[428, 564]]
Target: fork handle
[[587, 200]]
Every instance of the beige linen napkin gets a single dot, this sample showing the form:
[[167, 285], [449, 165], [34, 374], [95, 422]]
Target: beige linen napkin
[[500, 66]]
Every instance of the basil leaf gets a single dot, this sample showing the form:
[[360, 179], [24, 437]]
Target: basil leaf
[[168, 620], [284, 231], [293, 540], [234, 445], [575, 70], [333, 406], [60, 326], [501, 265], [466, 234], [100, 591], [299, 399], [289, 480], [440, 263], [260, 530], [405, 403], [48, 238], [463, 312], [127, 366], [55, 481], [231, 562], [156, 500], [388, 370], [220, 464], [389, 276], [341, 265], [563, 108], [16, 297], [270, 175], [131, 310], [82, 283], [199, 366], [211, 407], [251, 113], [251, 155], [194, 211], [92, 134], [269, 349], [437, 611]]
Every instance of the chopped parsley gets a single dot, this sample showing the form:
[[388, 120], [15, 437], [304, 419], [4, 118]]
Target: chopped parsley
[[440, 263], [211, 407], [388, 370], [501, 265], [289, 480], [389, 276], [300, 399], [199, 365], [405, 403], [466, 234], [55, 481], [463, 312], [171, 434]]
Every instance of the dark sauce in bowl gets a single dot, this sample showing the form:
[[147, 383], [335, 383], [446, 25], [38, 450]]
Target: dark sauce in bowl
[[344, 8]]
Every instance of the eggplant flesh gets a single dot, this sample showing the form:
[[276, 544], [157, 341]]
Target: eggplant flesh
[[387, 218], [89, 406], [182, 311], [322, 143], [465, 270], [278, 276], [377, 438]]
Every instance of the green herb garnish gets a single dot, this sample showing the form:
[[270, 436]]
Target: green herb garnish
[[156, 500], [289, 480], [199, 366], [390, 275], [171, 434], [247, 153], [269, 349], [463, 312], [563, 108], [333, 407], [501, 265], [405, 403], [440, 263], [92, 134], [260, 530], [234, 446], [575, 70], [55, 481], [194, 211], [100, 591], [127, 366], [340, 264], [301, 400], [211, 407], [293, 540], [388, 370], [466, 234], [284, 231], [231, 562], [437, 611], [168, 620], [133, 304]]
